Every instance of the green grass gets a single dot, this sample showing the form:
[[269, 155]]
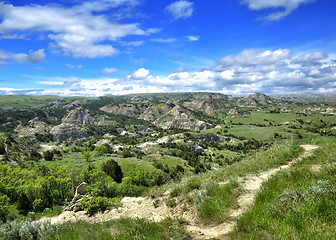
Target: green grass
[[278, 154], [298, 203], [123, 229], [76, 161], [25, 102], [260, 133], [55, 211], [213, 200]]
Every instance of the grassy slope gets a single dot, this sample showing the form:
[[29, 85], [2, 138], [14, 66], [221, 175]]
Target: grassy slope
[[297, 203], [123, 229]]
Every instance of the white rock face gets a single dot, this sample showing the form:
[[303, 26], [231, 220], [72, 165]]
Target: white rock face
[[179, 117], [68, 132], [79, 116]]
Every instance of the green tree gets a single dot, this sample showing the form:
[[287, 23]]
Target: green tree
[[86, 155], [112, 168], [4, 205], [24, 205], [48, 155], [2, 148]]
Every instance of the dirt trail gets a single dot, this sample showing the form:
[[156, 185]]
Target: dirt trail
[[156, 209], [250, 188]]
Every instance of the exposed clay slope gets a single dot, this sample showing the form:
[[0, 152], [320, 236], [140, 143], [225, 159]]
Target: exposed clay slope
[[179, 117], [79, 116]]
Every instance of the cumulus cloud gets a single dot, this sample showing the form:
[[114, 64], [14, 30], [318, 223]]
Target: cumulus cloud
[[272, 71], [88, 87], [180, 9], [108, 71], [193, 38], [309, 57], [284, 7], [269, 71], [37, 56], [32, 57], [255, 56], [141, 73], [81, 30]]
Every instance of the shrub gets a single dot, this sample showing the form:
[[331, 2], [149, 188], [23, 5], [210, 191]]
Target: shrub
[[48, 155], [35, 155], [2, 148], [112, 168], [94, 204], [175, 192], [4, 205], [24, 205], [38, 205], [27, 230]]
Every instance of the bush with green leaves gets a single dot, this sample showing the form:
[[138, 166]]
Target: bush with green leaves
[[94, 204], [48, 155], [112, 168], [4, 206]]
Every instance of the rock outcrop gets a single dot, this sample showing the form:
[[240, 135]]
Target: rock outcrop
[[237, 111], [129, 110], [149, 114], [79, 195], [258, 99], [68, 132], [179, 117], [210, 137], [79, 116]]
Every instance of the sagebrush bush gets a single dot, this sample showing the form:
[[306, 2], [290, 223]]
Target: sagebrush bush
[[27, 230]]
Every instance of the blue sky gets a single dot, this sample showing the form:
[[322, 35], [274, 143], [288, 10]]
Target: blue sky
[[94, 48]]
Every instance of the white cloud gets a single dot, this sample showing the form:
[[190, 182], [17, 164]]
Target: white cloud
[[163, 40], [180, 9], [32, 57], [310, 57], [141, 73], [78, 31], [37, 56], [86, 87], [255, 56], [227, 74], [285, 6], [107, 71], [193, 38], [253, 70], [272, 72]]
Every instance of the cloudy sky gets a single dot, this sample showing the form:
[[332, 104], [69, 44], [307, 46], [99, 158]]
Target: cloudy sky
[[99, 47]]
